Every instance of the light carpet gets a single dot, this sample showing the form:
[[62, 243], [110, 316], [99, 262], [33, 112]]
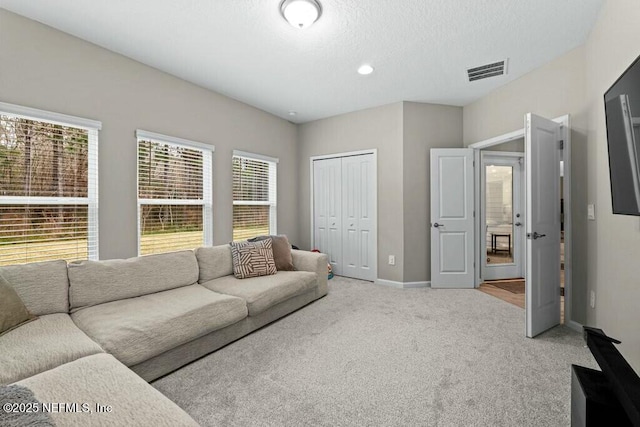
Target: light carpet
[[371, 355]]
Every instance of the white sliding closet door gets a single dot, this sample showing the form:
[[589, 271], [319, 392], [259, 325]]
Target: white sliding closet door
[[358, 240], [344, 190], [327, 202]]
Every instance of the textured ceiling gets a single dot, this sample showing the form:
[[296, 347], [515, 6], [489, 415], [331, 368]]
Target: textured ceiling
[[245, 49]]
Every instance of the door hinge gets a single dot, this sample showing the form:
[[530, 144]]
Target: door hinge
[[561, 291], [561, 144], [474, 214]]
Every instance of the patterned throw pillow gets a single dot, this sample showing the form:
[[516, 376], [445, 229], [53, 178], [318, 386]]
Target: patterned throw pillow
[[251, 259], [281, 251]]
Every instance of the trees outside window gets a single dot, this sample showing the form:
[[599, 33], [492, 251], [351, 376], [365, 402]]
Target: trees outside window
[[254, 195], [48, 186], [174, 194]]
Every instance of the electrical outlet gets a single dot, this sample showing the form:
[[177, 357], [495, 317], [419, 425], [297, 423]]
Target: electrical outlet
[[392, 260], [592, 300]]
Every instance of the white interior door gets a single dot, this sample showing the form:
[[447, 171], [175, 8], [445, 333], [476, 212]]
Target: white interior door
[[502, 215], [327, 203], [358, 217], [542, 156], [452, 222]]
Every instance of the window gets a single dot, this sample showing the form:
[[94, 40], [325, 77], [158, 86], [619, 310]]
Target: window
[[174, 193], [254, 195], [48, 186]]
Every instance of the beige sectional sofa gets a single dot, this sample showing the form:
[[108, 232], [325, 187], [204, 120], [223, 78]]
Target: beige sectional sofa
[[100, 320]]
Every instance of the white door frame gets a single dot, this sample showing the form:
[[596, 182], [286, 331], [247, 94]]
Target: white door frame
[[568, 233], [518, 198], [374, 152]]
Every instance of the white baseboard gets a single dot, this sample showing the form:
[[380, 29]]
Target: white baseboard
[[402, 285], [572, 324]]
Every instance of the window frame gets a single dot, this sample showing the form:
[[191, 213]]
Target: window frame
[[273, 188], [207, 183], [91, 201]]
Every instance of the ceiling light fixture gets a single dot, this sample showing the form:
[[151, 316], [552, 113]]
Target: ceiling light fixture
[[301, 13], [365, 69]]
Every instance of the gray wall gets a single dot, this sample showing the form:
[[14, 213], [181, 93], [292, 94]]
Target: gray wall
[[613, 240], [425, 126], [402, 133], [50, 70], [605, 251], [379, 128]]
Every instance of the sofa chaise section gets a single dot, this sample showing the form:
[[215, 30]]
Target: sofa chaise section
[[102, 380], [50, 340]]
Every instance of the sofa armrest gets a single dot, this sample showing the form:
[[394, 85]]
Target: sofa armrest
[[314, 262]]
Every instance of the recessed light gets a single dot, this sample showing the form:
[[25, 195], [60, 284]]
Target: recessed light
[[365, 69], [292, 113]]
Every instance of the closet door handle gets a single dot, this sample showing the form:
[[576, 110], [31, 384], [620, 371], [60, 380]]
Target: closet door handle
[[436, 225]]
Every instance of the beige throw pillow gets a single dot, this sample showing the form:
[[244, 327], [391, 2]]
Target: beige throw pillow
[[281, 251], [251, 259], [13, 313]]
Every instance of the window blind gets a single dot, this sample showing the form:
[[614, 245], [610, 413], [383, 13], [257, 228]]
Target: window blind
[[254, 195], [174, 194], [48, 188]]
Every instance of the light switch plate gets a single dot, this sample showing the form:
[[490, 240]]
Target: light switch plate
[[591, 212]]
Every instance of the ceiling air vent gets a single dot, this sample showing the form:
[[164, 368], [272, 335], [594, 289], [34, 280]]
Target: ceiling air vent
[[486, 71]]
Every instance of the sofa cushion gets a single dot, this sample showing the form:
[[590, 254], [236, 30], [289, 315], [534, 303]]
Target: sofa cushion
[[214, 262], [263, 292], [45, 343], [281, 251], [253, 259], [101, 379], [136, 329], [97, 282], [13, 313], [43, 287]]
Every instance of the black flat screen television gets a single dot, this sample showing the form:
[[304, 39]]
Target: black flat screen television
[[622, 111]]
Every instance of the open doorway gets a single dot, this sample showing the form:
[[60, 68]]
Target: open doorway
[[459, 239], [502, 217]]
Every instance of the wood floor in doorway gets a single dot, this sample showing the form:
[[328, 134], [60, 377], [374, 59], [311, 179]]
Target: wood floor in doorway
[[511, 297], [494, 288]]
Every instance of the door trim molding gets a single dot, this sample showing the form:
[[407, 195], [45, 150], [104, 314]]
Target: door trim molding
[[372, 151], [480, 206]]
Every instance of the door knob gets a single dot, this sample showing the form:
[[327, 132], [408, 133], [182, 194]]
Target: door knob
[[518, 224], [535, 235], [436, 225]]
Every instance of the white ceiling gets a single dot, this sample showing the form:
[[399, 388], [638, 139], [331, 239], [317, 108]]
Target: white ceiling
[[245, 49]]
